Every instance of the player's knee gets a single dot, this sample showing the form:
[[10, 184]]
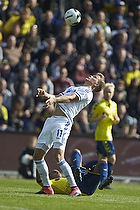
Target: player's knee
[[58, 155], [38, 154], [112, 159], [34, 156], [77, 150], [103, 160], [57, 158]]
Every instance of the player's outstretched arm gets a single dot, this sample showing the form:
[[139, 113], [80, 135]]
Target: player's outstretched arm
[[61, 99], [55, 98]]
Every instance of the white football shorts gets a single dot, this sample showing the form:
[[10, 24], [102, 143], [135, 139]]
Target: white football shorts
[[55, 132]]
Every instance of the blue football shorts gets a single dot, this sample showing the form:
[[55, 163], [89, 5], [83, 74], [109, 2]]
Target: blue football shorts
[[106, 148]]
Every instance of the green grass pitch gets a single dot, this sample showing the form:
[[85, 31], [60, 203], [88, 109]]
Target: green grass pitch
[[19, 194]]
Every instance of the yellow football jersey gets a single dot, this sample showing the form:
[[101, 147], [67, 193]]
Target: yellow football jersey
[[104, 127], [61, 186]]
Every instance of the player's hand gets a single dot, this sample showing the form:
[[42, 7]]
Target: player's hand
[[116, 119], [42, 93], [50, 101], [103, 116]]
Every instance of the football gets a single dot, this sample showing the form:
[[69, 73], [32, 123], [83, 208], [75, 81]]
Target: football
[[72, 17]]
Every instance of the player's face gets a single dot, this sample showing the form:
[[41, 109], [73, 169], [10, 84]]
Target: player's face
[[55, 174], [108, 94]]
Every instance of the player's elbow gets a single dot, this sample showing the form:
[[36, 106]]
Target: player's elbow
[[73, 97]]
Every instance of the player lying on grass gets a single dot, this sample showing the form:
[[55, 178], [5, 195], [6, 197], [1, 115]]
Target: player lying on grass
[[87, 176]]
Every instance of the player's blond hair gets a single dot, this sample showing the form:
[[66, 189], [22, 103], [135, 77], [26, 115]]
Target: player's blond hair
[[109, 85]]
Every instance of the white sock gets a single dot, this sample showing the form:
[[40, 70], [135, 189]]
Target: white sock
[[34, 169], [43, 172], [66, 169]]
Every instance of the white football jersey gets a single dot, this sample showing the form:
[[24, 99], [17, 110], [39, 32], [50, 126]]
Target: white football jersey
[[71, 109]]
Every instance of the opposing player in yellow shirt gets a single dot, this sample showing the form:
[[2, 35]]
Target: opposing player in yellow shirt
[[105, 113], [87, 176]]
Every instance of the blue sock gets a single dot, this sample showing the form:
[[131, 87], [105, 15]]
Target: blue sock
[[103, 170], [110, 167], [76, 159]]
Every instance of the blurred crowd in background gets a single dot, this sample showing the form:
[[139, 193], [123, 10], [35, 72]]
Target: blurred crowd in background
[[38, 49]]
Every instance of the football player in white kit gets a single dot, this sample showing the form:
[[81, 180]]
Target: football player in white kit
[[57, 128]]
